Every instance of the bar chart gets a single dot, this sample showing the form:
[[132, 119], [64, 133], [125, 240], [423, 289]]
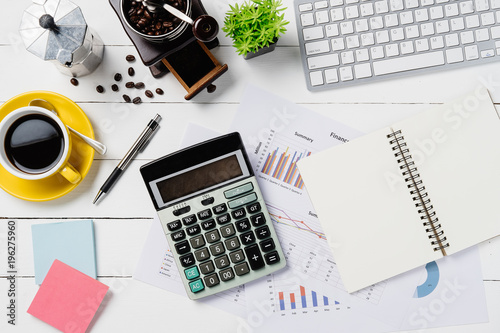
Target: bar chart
[[303, 299]]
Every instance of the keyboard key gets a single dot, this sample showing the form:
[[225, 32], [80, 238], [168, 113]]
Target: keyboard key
[[226, 274], [317, 47], [362, 70], [471, 52], [237, 256], [187, 260], [196, 286], [272, 258], [316, 78], [193, 230], [212, 236], [219, 209], [454, 55], [177, 236], [182, 247], [223, 219], [205, 214], [241, 269], [487, 53], [254, 208], [197, 242], [207, 201], [320, 4], [331, 76], [254, 257], [211, 280], [202, 254], [181, 211], [337, 14], [267, 245], [238, 213], [307, 19], [217, 249], [243, 225], [188, 220], [207, 225], [263, 232], [237, 191], [192, 273], [227, 231], [322, 17], [207, 267], [221, 262], [247, 238], [175, 225], [243, 200], [346, 73], [407, 63], [305, 7], [313, 33], [232, 244]]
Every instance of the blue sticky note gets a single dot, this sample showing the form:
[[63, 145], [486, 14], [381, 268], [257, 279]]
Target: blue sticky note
[[70, 242]]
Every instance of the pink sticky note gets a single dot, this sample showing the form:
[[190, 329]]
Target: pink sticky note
[[67, 298]]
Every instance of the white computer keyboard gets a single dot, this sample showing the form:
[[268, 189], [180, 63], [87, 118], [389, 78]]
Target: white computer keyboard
[[346, 42]]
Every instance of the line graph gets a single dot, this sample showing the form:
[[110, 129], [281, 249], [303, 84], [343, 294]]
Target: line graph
[[281, 217]]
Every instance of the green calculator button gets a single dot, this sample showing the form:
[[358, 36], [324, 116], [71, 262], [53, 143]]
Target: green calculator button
[[192, 273], [196, 286], [234, 192], [242, 201]]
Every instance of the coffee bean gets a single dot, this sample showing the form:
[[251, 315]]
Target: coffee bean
[[149, 93], [118, 77], [139, 85], [100, 89], [74, 81], [137, 100], [130, 84], [131, 71], [211, 88], [114, 87], [130, 58], [126, 98], [159, 91]]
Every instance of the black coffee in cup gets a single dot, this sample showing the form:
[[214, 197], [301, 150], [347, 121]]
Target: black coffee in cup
[[34, 143]]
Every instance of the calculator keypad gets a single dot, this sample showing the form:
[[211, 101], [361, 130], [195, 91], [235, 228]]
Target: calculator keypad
[[225, 240]]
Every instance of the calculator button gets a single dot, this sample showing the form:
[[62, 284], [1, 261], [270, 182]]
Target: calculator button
[[207, 201], [238, 213], [207, 225], [272, 258], [211, 280], [219, 209], [247, 238], [192, 273], [232, 243], [207, 267], [254, 257], [258, 220], [196, 286], [226, 274], [234, 192], [217, 249], [193, 230], [221, 262], [197, 242], [223, 218], [227, 231], [187, 260], [267, 245], [262, 232], [253, 208], [181, 211], [243, 225], [242, 201], [241, 269], [236, 256], [202, 254], [204, 214], [175, 225], [212, 236], [188, 220], [182, 247], [177, 236]]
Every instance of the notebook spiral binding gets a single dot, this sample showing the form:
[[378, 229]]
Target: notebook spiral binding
[[417, 191]]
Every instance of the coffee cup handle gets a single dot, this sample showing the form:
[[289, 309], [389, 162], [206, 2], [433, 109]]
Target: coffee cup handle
[[70, 173]]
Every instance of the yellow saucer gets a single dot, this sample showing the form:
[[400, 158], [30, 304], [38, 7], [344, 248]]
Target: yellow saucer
[[81, 157]]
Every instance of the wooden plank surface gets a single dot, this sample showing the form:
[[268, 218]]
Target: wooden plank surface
[[123, 219]]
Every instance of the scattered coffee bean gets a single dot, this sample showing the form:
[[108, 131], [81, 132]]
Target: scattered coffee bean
[[211, 88], [74, 81], [130, 58], [126, 98], [100, 89], [139, 85], [137, 100], [114, 87], [130, 84], [131, 71], [118, 77], [159, 91], [149, 93]]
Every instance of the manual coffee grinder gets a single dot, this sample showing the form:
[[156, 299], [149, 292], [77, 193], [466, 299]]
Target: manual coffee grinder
[[55, 30], [181, 50]]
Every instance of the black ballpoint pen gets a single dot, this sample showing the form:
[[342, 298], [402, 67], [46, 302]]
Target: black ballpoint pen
[[137, 147]]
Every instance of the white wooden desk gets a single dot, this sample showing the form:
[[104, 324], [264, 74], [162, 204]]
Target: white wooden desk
[[123, 218]]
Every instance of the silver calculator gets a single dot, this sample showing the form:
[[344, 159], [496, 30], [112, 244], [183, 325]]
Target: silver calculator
[[214, 216]]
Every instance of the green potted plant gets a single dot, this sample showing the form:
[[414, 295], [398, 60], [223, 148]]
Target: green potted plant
[[255, 26]]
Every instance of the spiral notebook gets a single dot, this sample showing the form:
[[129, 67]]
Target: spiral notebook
[[411, 193]]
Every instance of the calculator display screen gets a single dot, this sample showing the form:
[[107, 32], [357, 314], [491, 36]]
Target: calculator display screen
[[198, 178]]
